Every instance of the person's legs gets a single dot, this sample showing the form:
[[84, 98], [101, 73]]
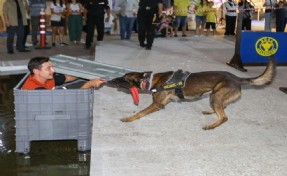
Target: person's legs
[[141, 29], [78, 27], [268, 19], [248, 24], [176, 26], [227, 25], [232, 25], [20, 36], [183, 24], [61, 34], [72, 27], [100, 24], [197, 24], [150, 31], [11, 30], [203, 19], [90, 31], [130, 24], [54, 33], [123, 26], [35, 24], [26, 31]]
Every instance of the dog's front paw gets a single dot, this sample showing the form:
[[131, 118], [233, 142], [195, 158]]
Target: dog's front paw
[[126, 119]]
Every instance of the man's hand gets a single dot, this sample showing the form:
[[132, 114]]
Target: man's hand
[[93, 83]]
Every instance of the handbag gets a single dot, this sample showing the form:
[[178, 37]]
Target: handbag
[[55, 17]]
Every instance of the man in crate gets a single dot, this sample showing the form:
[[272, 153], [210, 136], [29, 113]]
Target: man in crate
[[43, 76]]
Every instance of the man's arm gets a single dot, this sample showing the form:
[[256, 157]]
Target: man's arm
[[93, 83], [69, 78]]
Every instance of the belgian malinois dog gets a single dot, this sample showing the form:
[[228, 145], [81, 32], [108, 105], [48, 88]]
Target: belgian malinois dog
[[224, 88]]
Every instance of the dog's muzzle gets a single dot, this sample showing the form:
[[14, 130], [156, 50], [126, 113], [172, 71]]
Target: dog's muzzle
[[120, 83]]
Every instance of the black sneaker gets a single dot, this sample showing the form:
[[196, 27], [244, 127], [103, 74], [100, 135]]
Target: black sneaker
[[142, 45], [148, 48], [53, 44], [10, 52]]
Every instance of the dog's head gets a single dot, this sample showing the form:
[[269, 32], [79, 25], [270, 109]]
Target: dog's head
[[132, 79]]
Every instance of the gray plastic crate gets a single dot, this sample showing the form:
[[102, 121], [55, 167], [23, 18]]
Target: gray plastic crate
[[60, 114]]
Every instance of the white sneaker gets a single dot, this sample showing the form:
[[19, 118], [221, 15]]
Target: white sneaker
[[83, 41]]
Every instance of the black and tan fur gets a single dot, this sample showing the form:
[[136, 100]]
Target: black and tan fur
[[224, 88]]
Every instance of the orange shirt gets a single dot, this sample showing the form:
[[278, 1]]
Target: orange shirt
[[32, 84]]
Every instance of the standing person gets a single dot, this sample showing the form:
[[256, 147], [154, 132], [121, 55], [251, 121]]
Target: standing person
[[58, 9], [200, 16], [146, 29], [269, 12], [281, 11], [43, 76], [180, 11], [211, 18], [35, 9], [127, 12], [75, 21], [230, 17], [95, 13], [247, 14], [26, 27], [15, 19]]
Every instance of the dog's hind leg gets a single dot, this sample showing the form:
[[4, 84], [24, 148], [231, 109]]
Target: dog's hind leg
[[150, 109], [219, 99]]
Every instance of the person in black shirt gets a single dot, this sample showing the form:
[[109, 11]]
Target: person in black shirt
[[95, 14], [146, 28]]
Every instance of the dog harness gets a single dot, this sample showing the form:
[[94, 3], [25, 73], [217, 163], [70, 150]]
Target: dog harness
[[176, 82]]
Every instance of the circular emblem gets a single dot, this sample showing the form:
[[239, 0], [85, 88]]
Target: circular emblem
[[266, 46]]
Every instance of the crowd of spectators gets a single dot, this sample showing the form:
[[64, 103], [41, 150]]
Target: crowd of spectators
[[71, 18]]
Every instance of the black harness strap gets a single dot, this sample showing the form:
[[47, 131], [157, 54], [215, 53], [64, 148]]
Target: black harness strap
[[176, 83]]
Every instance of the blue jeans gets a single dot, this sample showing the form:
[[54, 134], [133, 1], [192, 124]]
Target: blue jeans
[[268, 21], [126, 27]]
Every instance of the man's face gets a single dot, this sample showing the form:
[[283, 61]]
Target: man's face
[[46, 71]]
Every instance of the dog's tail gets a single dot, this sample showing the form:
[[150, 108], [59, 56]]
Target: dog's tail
[[265, 78]]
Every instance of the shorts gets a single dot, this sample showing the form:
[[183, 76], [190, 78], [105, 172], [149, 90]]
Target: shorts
[[209, 25], [58, 23], [180, 21], [200, 19]]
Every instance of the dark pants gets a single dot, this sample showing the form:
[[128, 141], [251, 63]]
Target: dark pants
[[230, 25], [93, 21], [26, 32], [246, 24], [280, 20], [35, 25], [146, 30], [12, 30]]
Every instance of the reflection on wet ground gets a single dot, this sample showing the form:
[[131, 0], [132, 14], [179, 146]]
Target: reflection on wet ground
[[55, 158]]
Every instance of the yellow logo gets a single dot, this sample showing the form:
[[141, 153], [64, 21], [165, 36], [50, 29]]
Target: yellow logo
[[266, 46]]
